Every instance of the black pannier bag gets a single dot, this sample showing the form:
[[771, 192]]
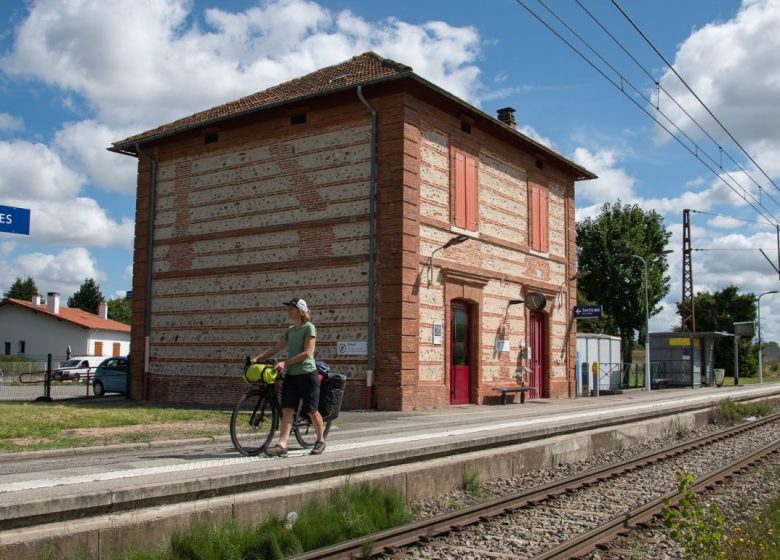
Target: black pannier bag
[[331, 395]]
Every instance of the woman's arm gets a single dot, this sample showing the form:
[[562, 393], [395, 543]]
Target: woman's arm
[[275, 349]]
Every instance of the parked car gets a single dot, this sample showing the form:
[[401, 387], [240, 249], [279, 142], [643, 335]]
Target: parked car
[[111, 376], [76, 368]]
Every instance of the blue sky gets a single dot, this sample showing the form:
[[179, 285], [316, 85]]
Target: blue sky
[[76, 74]]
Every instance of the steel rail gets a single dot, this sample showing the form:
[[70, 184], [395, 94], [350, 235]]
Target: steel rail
[[426, 529], [604, 533]]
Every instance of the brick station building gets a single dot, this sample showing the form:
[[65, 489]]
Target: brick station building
[[416, 299]]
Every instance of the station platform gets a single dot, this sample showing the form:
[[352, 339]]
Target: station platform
[[52, 487]]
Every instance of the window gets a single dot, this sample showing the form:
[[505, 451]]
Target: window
[[464, 173], [98, 348], [7, 348], [538, 209], [116, 349], [22, 346]]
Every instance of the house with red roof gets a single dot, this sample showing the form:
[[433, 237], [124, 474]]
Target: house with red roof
[[434, 243], [29, 328]]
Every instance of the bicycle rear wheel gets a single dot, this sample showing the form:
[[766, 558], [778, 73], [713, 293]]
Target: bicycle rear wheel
[[304, 430], [254, 421]]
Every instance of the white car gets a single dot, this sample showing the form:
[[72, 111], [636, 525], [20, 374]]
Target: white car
[[76, 368]]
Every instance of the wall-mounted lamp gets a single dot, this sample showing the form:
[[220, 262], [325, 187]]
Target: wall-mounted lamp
[[457, 240], [516, 301]]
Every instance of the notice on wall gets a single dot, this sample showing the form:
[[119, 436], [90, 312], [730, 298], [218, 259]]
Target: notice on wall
[[503, 345], [352, 348], [438, 330]]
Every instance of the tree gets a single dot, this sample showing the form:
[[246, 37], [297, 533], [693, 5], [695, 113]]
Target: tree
[[120, 310], [717, 313], [88, 297], [616, 280], [22, 289]]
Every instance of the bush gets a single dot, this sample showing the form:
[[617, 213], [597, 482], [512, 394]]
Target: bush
[[728, 412]]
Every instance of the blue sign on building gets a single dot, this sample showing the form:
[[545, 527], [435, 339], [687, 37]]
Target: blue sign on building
[[587, 311], [14, 220]]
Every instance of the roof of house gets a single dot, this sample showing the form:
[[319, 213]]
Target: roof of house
[[72, 315], [364, 69]]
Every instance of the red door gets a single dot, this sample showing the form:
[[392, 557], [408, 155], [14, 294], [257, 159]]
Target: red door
[[460, 366], [538, 353]]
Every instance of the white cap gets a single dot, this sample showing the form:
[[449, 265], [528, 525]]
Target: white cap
[[297, 302]]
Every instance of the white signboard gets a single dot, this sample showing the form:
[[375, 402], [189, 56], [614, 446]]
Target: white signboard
[[352, 348], [437, 333], [503, 345]]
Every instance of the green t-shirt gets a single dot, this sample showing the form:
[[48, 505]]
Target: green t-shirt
[[296, 343]]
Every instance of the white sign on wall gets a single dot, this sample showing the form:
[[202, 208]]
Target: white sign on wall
[[352, 348], [503, 345], [437, 333]]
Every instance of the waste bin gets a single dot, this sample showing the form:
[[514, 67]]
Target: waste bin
[[720, 374]]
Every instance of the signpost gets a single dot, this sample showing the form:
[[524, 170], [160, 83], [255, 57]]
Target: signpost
[[587, 312], [14, 220]]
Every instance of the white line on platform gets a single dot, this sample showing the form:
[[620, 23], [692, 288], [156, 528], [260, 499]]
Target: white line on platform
[[214, 463]]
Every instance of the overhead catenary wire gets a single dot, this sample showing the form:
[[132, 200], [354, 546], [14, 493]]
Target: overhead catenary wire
[[766, 213], [669, 65], [732, 218], [660, 88]]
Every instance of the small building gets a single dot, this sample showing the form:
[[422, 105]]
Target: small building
[[29, 328], [600, 353], [412, 223], [683, 359]]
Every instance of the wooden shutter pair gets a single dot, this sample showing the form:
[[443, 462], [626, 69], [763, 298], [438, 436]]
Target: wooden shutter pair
[[540, 229], [464, 168]]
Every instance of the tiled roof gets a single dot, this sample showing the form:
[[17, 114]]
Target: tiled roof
[[363, 68], [72, 315]]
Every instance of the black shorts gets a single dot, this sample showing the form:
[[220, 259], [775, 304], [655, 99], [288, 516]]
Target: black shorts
[[305, 387]]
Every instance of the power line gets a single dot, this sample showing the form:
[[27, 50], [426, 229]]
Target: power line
[[671, 97], [620, 86], [669, 65], [718, 249], [733, 218]]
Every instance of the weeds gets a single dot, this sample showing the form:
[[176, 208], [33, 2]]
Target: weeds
[[698, 528], [676, 430], [472, 483], [729, 413], [620, 445], [758, 538]]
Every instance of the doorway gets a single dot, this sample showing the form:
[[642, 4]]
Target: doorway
[[538, 360], [460, 354]]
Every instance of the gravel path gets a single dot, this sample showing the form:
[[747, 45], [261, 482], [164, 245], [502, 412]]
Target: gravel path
[[537, 528]]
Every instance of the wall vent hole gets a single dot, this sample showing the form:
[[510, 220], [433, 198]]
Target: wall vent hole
[[298, 119], [210, 137]]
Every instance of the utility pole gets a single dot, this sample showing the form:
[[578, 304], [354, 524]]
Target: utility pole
[[688, 311]]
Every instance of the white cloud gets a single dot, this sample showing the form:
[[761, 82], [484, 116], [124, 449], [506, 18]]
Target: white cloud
[[62, 272], [613, 183], [175, 67], [532, 133], [10, 123], [33, 171]]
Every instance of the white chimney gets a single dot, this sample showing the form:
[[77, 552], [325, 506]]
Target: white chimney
[[103, 310], [53, 302], [36, 299]]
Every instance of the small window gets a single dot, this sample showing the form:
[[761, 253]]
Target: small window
[[465, 127], [7, 348], [22, 346], [540, 164], [298, 119], [210, 137]]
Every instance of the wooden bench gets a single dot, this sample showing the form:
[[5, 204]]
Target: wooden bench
[[506, 390]]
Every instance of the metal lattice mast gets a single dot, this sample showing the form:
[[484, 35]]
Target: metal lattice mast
[[687, 307]]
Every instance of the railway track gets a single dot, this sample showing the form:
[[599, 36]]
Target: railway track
[[569, 517]]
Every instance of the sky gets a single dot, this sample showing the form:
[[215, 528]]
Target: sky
[[76, 75]]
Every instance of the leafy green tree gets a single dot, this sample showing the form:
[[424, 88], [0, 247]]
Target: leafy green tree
[[22, 289], [616, 280], [717, 312], [88, 297], [120, 310]]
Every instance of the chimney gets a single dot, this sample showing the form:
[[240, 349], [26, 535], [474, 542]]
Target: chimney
[[36, 299], [507, 116], [53, 302], [103, 310]]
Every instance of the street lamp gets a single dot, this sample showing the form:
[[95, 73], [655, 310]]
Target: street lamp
[[457, 240], [760, 355], [579, 275], [647, 314]]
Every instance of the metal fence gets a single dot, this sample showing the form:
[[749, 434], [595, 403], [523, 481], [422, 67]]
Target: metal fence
[[622, 376], [30, 378]]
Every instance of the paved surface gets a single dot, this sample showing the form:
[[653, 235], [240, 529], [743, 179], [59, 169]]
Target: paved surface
[[32, 482]]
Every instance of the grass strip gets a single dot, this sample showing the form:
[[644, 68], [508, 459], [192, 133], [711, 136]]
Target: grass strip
[[352, 511], [729, 413]]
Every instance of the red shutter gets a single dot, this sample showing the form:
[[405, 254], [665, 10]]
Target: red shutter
[[534, 213], [471, 193], [544, 226], [459, 169]]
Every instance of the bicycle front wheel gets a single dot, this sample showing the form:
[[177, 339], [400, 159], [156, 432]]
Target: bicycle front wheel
[[254, 421], [304, 430]]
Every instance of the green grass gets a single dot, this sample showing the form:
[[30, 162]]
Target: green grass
[[351, 512], [728, 412], [769, 377], [757, 538], [31, 426]]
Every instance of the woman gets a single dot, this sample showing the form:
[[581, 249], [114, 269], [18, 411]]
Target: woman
[[301, 382]]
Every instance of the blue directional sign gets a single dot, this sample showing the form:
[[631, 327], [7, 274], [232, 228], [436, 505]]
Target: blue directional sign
[[14, 220], [587, 312]]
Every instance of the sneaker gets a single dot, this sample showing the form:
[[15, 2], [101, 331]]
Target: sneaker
[[276, 451], [318, 448]]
